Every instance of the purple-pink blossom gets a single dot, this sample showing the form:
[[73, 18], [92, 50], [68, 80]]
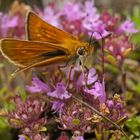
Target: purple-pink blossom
[[7, 22], [119, 46], [72, 11], [92, 21], [92, 76], [116, 108], [58, 106], [38, 86], [110, 104], [50, 16], [110, 21], [127, 26], [21, 137], [82, 79], [60, 92], [98, 91]]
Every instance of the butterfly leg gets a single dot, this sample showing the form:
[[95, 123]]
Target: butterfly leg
[[60, 70], [86, 74], [15, 72], [85, 70], [69, 75]]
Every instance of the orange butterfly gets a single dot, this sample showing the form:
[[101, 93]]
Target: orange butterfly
[[46, 45]]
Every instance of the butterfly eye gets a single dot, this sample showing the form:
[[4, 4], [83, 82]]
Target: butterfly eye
[[81, 51]]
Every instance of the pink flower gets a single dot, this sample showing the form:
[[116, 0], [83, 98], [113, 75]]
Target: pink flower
[[60, 92], [92, 76], [116, 108], [111, 21], [6, 23], [98, 91], [90, 9], [119, 46], [72, 11], [38, 86], [78, 77], [50, 15], [92, 23], [58, 106], [27, 113], [128, 26], [21, 137], [110, 104]]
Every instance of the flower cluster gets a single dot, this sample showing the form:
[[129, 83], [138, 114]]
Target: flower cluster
[[28, 116], [119, 44], [119, 47], [73, 115]]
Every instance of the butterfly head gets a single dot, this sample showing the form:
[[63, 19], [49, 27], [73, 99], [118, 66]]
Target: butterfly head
[[84, 49]]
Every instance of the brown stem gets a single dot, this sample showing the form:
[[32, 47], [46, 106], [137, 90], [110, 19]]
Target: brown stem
[[102, 50]]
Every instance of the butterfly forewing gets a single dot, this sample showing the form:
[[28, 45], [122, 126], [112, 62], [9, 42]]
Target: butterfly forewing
[[39, 30], [46, 45], [26, 53]]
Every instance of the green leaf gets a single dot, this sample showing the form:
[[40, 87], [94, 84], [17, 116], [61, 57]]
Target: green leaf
[[3, 123], [1, 65], [137, 88], [76, 121], [134, 125], [43, 129]]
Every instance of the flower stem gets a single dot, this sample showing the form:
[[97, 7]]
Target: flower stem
[[102, 51]]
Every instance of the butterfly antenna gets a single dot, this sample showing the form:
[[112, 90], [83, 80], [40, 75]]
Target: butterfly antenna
[[90, 40]]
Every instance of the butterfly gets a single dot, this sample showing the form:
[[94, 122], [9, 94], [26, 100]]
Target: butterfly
[[45, 45]]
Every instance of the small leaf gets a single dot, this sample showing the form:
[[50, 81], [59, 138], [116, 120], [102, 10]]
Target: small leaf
[[127, 51], [1, 65], [111, 59], [76, 121], [43, 129], [3, 123], [134, 125]]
